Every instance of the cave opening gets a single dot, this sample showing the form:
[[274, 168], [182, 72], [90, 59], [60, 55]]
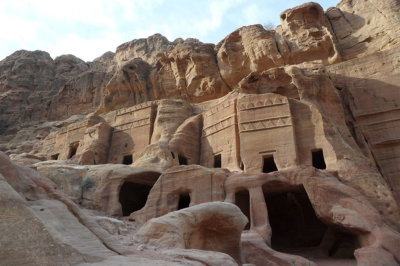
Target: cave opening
[[184, 201], [318, 160], [242, 200], [73, 147], [182, 160], [55, 156], [296, 229], [217, 161], [128, 159], [133, 197], [269, 164]]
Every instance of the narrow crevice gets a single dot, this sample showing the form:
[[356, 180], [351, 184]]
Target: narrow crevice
[[350, 120], [335, 38], [109, 142], [219, 71], [199, 139], [153, 117], [277, 45]]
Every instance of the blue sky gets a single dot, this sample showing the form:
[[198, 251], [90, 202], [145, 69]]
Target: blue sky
[[88, 28]]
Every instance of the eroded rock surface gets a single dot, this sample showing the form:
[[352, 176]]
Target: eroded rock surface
[[297, 126], [365, 27], [306, 35], [245, 50], [212, 226]]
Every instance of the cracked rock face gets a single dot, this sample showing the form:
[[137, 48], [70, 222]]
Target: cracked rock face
[[306, 34], [189, 71], [365, 27], [248, 49]]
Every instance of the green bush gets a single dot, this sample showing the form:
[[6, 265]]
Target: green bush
[[86, 184]]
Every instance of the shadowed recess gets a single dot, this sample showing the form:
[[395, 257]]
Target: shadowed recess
[[133, 197]]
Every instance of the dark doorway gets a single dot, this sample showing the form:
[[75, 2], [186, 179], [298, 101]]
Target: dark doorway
[[217, 161], [182, 160], [242, 200], [269, 164], [184, 201], [55, 156], [293, 221], [297, 230], [133, 197], [318, 160], [72, 149], [128, 159]]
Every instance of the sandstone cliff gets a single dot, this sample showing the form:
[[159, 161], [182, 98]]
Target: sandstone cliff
[[297, 126]]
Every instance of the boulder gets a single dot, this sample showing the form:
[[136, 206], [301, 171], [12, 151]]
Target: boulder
[[255, 251], [188, 71], [247, 49], [214, 226], [128, 86], [306, 35]]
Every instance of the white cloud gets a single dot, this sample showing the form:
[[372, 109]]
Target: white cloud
[[217, 10], [19, 30], [90, 12], [253, 14], [86, 49]]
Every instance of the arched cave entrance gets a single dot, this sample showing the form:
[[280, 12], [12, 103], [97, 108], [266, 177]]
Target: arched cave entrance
[[297, 230], [73, 147], [242, 200], [182, 160], [133, 197]]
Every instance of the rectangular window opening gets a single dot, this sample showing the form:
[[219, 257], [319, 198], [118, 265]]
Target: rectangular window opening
[[318, 160], [217, 161], [128, 159], [269, 164], [184, 201]]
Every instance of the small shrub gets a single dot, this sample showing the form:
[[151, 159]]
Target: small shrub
[[86, 184], [269, 26]]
